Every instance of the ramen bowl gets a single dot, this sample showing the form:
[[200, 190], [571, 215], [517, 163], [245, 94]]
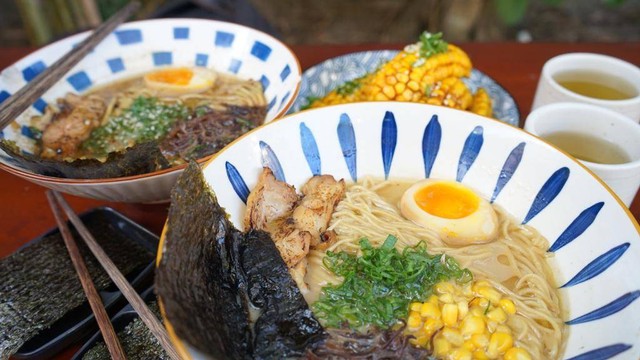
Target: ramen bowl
[[593, 239], [135, 48]]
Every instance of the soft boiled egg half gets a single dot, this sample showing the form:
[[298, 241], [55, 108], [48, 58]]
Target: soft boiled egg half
[[178, 81], [454, 211]]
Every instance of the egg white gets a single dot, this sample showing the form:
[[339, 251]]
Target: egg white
[[481, 226]]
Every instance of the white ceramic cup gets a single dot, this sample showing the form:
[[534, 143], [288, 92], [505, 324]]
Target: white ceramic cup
[[623, 179], [550, 91]]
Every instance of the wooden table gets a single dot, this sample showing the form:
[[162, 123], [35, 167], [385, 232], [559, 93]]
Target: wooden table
[[25, 214]]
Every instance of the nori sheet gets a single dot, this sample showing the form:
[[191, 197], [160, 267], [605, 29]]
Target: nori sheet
[[137, 342], [138, 159], [38, 284], [211, 273]]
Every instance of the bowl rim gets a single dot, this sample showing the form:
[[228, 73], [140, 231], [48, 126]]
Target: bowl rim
[[59, 180], [183, 348]]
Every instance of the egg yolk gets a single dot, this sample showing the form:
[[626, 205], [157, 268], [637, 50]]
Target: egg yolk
[[447, 201], [181, 76]]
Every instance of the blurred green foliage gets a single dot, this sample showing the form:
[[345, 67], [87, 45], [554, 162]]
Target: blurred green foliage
[[511, 12]]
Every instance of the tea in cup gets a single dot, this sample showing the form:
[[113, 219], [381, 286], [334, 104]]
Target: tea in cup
[[606, 142], [592, 79]]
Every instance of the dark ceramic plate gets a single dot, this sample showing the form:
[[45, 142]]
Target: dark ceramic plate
[[79, 323]]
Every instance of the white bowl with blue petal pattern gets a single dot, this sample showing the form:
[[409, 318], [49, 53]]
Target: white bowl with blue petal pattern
[[137, 47], [594, 237]]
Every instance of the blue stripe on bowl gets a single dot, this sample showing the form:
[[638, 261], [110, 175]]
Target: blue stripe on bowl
[[470, 151], [603, 353], [284, 74], [224, 39], [598, 265], [270, 160], [310, 150], [607, 310], [202, 59], [265, 82], [431, 144], [548, 192], [40, 105], [181, 33], [237, 182], [347, 138], [260, 50], [234, 66], [388, 141], [131, 36], [26, 131], [508, 169], [116, 65], [80, 81], [577, 226], [272, 103], [162, 58], [33, 70], [4, 95], [284, 99]]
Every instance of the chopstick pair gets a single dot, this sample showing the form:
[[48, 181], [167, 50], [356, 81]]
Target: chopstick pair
[[57, 202], [17, 103]]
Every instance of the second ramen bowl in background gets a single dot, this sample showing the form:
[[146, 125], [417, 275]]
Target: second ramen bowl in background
[[139, 47], [592, 79]]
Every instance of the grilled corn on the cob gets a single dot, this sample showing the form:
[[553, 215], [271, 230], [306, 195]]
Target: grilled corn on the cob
[[426, 72]]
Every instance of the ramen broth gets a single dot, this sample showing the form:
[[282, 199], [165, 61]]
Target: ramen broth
[[596, 85], [588, 147]]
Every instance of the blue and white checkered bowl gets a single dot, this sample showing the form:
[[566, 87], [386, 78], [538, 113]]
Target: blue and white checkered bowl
[[138, 47], [594, 237]]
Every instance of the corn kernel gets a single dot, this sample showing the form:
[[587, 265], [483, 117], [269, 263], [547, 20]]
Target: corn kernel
[[391, 80], [415, 306], [380, 97], [452, 335], [414, 322], [399, 87], [432, 325], [508, 306], [469, 345], [430, 310], [441, 347], [498, 315], [516, 353], [472, 325], [446, 298], [489, 293], [503, 328], [450, 314], [480, 283], [480, 340], [499, 343], [433, 299], [481, 302], [444, 288], [463, 309], [413, 85], [480, 355], [420, 340], [461, 354], [403, 77], [492, 326], [389, 92]]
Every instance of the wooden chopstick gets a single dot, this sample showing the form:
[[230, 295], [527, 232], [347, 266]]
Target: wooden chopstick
[[121, 282], [106, 328], [17, 103]]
